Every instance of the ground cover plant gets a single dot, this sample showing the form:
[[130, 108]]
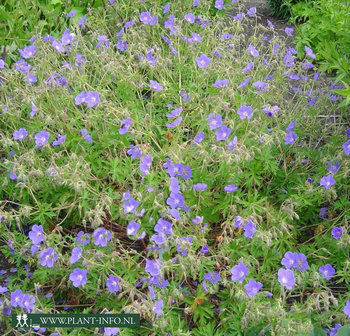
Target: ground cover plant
[[18, 19], [326, 29], [155, 160]]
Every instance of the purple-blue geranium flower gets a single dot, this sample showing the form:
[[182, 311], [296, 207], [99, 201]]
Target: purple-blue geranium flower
[[122, 45], [157, 309], [291, 126], [41, 138], [145, 164], [327, 181], [290, 138], [163, 226], [347, 309], [199, 138], [289, 260], [132, 228], [220, 83], [346, 147], [184, 96], [125, 125], [323, 213], [251, 12], [22, 65], [199, 187], [309, 52], [337, 232], [78, 277], [147, 19], [101, 237], [231, 145], [113, 283], [71, 13], [80, 98], [16, 298], [327, 271], [333, 168], [184, 242], [67, 37], [244, 83], [31, 78], [175, 200], [205, 249], [212, 277], [107, 331], [249, 229], [102, 39], [239, 272], [154, 85], [334, 331], [174, 113], [252, 51], [158, 239], [222, 133], [75, 255], [36, 234], [260, 85], [230, 188], [166, 8], [248, 67], [58, 46], [301, 262], [286, 278], [227, 36], [153, 267], [48, 257], [289, 31], [214, 121], [92, 98], [197, 220], [238, 16], [85, 135], [28, 302], [288, 59], [83, 238], [245, 112], [59, 141], [20, 134], [219, 4], [183, 171], [175, 123], [134, 152], [189, 17], [27, 51], [252, 287], [174, 185], [203, 61], [130, 205], [238, 222]]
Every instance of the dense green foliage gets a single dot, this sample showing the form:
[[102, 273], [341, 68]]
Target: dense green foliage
[[326, 28], [245, 156], [281, 8], [19, 19]]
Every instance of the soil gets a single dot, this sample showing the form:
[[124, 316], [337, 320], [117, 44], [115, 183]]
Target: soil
[[263, 14]]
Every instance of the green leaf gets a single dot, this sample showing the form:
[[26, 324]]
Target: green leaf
[[259, 330], [344, 331], [318, 332]]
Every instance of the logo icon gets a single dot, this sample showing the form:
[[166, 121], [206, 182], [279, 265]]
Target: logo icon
[[19, 320]]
